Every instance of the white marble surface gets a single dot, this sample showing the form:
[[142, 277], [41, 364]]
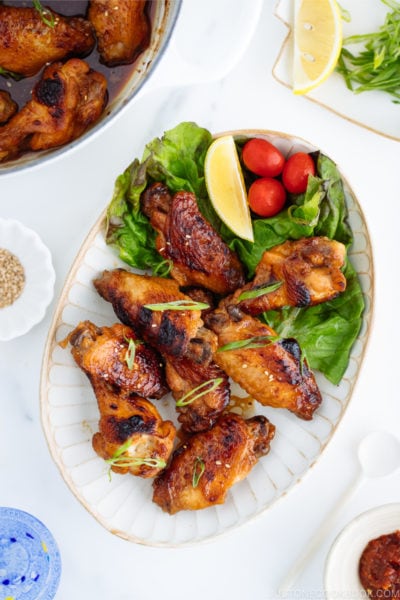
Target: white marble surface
[[61, 201]]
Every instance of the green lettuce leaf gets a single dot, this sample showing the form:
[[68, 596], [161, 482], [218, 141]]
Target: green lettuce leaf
[[326, 332]]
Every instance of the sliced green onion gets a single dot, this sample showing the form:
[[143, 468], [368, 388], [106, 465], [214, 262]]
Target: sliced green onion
[[204, 388], [47, 20], [258, 341], [131, 352], [255, 293], [198, 471], [163, 268], [178, 305], [119, 460]]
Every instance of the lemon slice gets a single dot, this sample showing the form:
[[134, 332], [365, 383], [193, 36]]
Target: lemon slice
[[317, 42], [226, 188]]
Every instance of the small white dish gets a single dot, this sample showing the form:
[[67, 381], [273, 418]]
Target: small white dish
[[30, 307], [341, 569]]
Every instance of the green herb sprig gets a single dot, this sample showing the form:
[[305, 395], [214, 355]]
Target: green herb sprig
[[377, 66]]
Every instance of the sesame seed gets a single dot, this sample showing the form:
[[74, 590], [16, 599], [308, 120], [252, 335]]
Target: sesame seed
[[218, 462], [12, 278]]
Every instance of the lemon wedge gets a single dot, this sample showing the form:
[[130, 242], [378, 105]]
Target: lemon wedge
[[317, 42], [226, 188]]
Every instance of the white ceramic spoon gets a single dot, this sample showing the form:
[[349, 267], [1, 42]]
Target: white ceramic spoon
[[379, 455]]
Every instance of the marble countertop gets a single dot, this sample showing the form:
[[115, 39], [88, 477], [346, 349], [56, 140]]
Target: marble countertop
[[62, 200]]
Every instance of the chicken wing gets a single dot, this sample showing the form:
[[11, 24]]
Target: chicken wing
[[122, 29], [27, 43], [199, 255], [65, 102], [271, 370], [173, 332], [114, 356], [306, 272], [132, 436], [206, 465], [198, 411], [7, 106]]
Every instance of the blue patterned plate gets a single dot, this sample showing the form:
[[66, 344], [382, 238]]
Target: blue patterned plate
[[30, 563]]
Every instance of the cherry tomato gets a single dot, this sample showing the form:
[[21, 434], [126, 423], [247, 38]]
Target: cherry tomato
[[266, 196], [296, 171], [262, 158]]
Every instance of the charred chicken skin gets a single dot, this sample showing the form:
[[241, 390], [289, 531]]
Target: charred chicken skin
[[7, 106], [199, 255], [132, 435], [27, 43], [175, 333], [272, 371], [306, 272], [114, 356], [202, 392], [208, 464], [122, 29], [65, 102]]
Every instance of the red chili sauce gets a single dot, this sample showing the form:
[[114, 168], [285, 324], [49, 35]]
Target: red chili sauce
[[379, 567]]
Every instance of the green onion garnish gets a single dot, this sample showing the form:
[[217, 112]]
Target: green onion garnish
[[204, 388], [131, 352], [45, 14], [198, 470], [7, 73], [256, 293], [119, 460], [178, 305], [258, 341], [163, 268]]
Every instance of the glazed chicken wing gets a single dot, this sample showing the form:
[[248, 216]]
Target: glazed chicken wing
[[199, 255], [65, 102], [172, 332], [114, 356], [7, 106], [272, 371], [27, 43], [307, 271], [199, 410], [122, 29], [132, 435], [205, 466]]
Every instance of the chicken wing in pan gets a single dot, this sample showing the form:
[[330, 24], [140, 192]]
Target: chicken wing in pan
[[199, 255], [208, 464], [173, 332], [122, 29], [65, 102], [302, 273], [270, 369], [27, 42]]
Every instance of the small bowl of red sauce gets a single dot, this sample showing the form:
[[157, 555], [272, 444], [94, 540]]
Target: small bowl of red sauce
[[364, 560]]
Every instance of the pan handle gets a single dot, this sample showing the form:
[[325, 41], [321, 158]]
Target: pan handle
[[209, 38]]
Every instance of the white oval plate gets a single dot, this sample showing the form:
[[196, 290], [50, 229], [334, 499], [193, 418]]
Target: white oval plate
[[70, 415], [373, 110], [341, 571]]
